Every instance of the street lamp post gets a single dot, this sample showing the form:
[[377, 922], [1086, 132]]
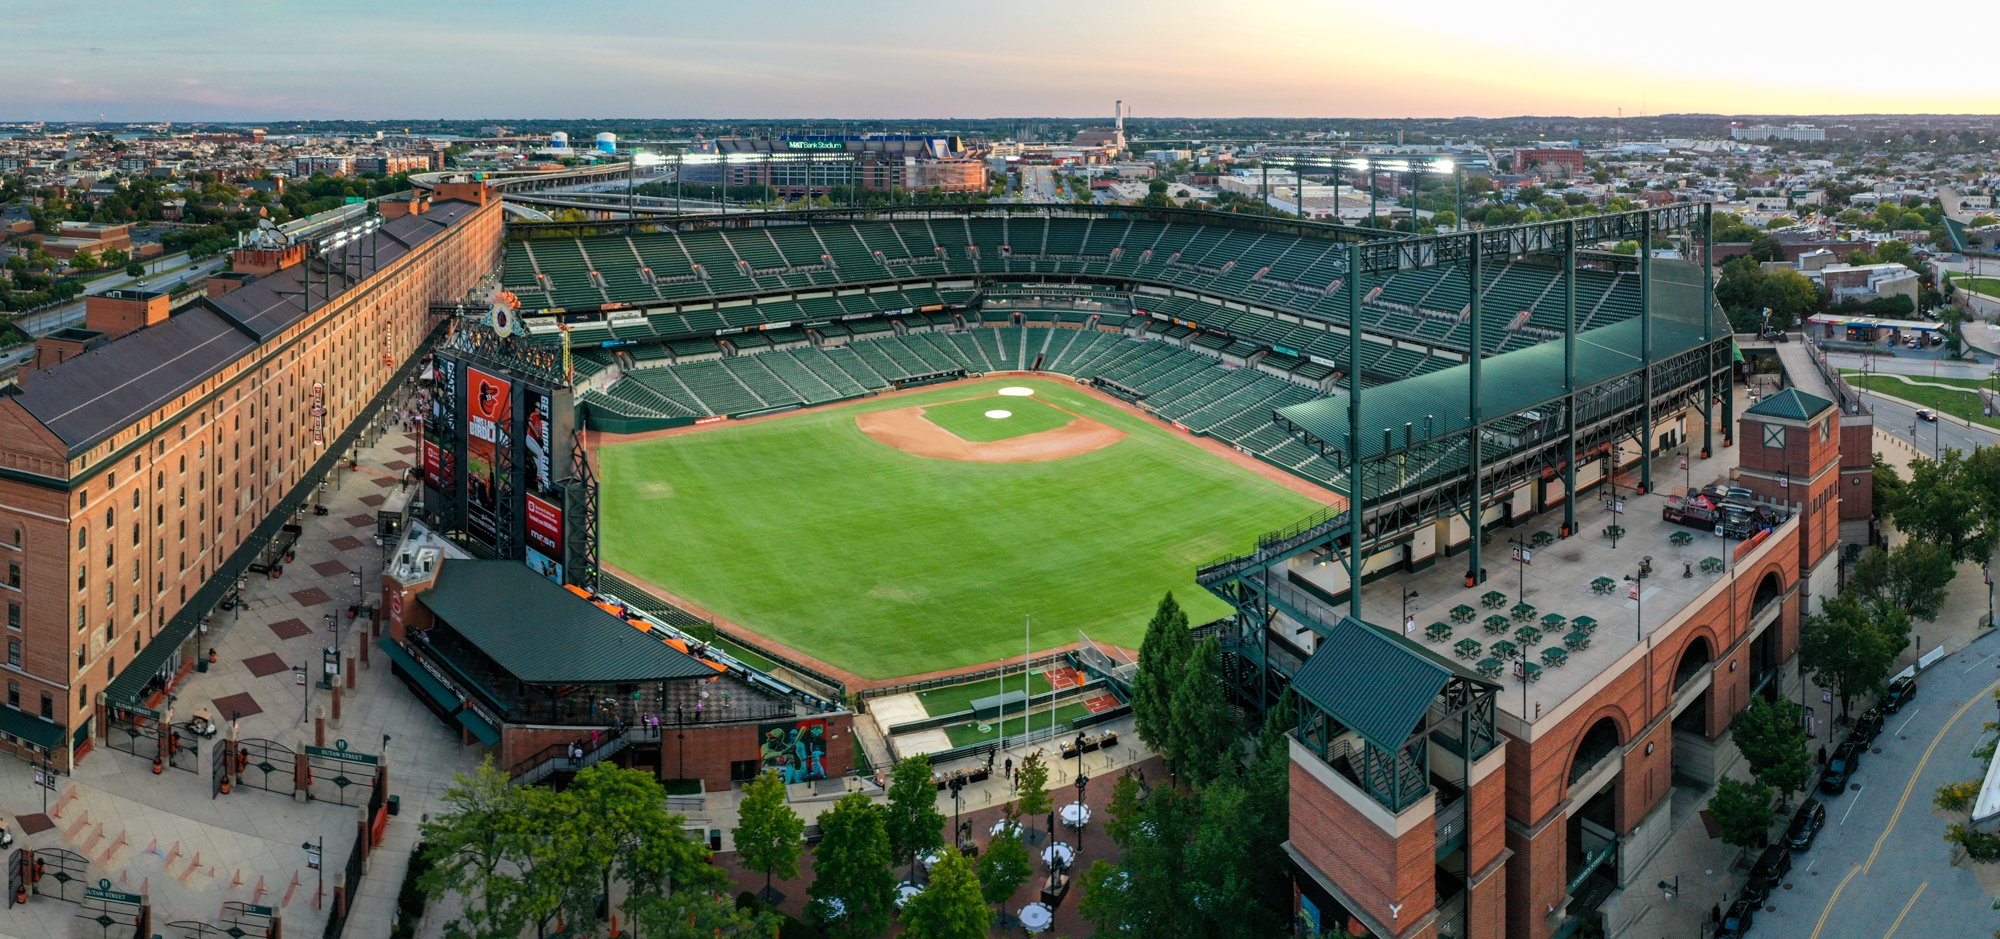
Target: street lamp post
[[305, 702], [1638, 583], [316, 859], [1522, 556], [1407, 597]]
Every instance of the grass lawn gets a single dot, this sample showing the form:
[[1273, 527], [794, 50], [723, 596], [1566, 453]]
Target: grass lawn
[[746, 656], [1969, 383], [954, 698], [966, 734], [1960, 404], [1989, 286], [886, 564], [968, 420]]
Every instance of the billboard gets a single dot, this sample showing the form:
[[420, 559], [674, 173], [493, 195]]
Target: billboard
[[540, 413], [488, 420], [796, 749], [543, 524]]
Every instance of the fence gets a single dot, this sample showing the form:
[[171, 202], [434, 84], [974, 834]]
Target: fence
[[639, 598], [927, 684]]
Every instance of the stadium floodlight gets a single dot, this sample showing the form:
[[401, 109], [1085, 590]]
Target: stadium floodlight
[[645, 158], [1440, 166]]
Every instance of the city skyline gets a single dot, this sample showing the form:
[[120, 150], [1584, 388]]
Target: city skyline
[[897, 60]]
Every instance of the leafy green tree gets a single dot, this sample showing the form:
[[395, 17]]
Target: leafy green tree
[[914, 823], [1161, 654], [1947, 503], [951, 906], [1848, 648], [1031, 786], [625, 831], [769, 835], [85, 260], [135, 269], [1004, 866], [115, 257], [1890, 489], [1914, 576], [1203, 724], [473, 843], [1743, 812], [1124, 813], [1772, 737], [1790, 297], [852, 866]]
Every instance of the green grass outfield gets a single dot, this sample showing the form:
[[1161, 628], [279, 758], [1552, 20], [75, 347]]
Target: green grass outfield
[[954, 698], [968, 421], [965, 735], [808, 531]]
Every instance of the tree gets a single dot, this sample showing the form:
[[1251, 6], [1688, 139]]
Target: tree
[[1890, 489], [852, 868], [1743, 812], [913, 821], [1004, 866], [1846, 649], [1914, 576], [1203, 724], [951, 906], [768, 834], [625, 830], [85, 260], [472, 844], [1790, 297], [1945, 504], [1161, 654], [1031, 786], [1772, 737], [115, 257], [135, 269]]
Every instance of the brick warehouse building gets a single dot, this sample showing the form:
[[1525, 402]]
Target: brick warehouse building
[[1394, 836], [146, 467]]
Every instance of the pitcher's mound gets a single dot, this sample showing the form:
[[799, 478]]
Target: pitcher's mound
[[908, 431]]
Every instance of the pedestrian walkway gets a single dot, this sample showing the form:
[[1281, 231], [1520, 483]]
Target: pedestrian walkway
[[167, 836]]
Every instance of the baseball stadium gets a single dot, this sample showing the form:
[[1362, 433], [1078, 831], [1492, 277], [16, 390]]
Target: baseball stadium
[[940, 463]]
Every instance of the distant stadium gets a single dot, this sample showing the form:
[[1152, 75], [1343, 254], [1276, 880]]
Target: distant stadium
[[894, 525]]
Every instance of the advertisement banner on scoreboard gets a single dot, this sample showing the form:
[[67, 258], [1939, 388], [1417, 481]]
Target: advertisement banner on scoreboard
[[488, 420], [544, 525], [434, 474], [539, 440]]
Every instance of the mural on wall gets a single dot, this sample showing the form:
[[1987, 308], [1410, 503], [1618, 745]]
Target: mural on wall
[[796, 750]]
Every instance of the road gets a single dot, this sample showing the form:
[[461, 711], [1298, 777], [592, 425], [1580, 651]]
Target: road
[[1881, 867], [71, 314]]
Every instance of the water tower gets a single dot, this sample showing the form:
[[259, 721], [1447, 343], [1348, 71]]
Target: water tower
[[559, 141], [607, 142]]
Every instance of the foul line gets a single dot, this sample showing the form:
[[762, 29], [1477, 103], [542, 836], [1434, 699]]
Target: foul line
[[1911, 786], [1906, 910], [1823, 914]]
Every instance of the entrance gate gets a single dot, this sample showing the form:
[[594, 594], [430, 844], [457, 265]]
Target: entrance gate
[[134, 730], [336, 774], [238, 921], [113, 913], [57, 873], [184, 748], [265, 764]]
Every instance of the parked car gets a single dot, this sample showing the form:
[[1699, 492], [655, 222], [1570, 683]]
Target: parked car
[[1866, 727], [1900, 692], [1806, 825], [1840, 767], [1736, 922], [1767, 873], [1925, 414]]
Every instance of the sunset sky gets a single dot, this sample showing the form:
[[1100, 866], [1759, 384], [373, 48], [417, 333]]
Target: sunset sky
[[271, 59]]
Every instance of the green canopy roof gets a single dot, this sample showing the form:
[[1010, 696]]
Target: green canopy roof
[[541, 633], [1373, 680], [1791, 404]]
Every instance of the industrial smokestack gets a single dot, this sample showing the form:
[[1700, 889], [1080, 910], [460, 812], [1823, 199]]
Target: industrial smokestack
[[1118, 117]]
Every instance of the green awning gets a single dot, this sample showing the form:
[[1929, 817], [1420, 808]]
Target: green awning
[[487, 733], [418, 675], [23, 726]]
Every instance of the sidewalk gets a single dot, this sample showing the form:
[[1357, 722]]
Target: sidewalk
[[166, 836]]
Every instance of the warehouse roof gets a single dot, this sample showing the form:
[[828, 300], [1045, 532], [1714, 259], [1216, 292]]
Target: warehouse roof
[[541, 633]]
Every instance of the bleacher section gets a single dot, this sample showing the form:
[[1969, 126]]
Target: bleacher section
[[1282, 271]]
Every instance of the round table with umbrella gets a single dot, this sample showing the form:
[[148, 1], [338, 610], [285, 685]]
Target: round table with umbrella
[[1036, 917], [906, 890], [1076, 815], [1059, 854], [1006, 825]]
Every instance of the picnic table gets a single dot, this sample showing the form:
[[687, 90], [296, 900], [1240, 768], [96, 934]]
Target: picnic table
[[1681, 539], [1489, 667], [1493, 599], [1603, 585], [1468, 648], [1463, 613], [1584, 624], [1528, 635], [1553, 622], [1496, 624], [1711, 565], [1437, 631], [1577, 640], [1554, 657], [1614, 531], [1504, 648], [1523, 610], [1528, 672]]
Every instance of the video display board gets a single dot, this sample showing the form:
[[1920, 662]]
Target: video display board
[[489, 420], [497, 460]]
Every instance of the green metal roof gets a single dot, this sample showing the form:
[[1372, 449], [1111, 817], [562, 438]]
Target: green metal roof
[[1372, 680], [541, 633], [24, 726], [402, 659], [1436, 404], [1791, 404]]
